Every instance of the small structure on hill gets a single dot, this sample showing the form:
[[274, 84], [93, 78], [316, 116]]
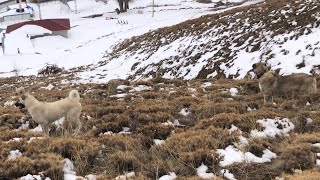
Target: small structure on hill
[[22, 13], [57, 26]]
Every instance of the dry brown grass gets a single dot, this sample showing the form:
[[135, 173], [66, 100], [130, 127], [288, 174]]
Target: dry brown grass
[[185, 148], [313, 174]]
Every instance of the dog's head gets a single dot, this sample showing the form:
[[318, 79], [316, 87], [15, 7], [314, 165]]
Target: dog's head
[[21, 92], [22, 96], [260, 68]]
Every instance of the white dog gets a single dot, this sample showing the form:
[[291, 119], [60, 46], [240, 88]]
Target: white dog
[[45, 113]]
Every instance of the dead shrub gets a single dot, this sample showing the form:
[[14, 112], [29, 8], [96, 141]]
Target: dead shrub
[[156, 131], [82, 152], [313, 174], [289, 105], [306, 122], [208, 110], [10, 169], [253, 171], [143, 83], [122, 162], [118, 109], [298, 156], [49, 164], [308, 138], [114, 143], [257, 145], [137, 119], [114, 83], [178, 93], [150, 95], [209, 138]]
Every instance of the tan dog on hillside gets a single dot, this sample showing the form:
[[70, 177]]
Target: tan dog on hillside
[[272, 84], [45, 113]]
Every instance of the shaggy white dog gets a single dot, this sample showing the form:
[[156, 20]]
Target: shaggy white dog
[[45, 113]]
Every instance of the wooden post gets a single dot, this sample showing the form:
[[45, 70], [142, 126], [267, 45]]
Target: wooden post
[[152, 8], [75, 6], [38, 3]]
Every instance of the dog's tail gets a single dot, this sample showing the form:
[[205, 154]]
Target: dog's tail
[[74, 96]]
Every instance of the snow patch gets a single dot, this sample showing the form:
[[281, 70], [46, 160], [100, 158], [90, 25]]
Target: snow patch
[[9, 103], [170, 123], [184, 112], [171, 176], [59, 123], [34, 138], [31, 177], [206, 84], [49, 87], [273, 127], [232, 155], [37, 129], [13, 140], [158, 141], [14, 154], [125, 130], [232, 129], [233, 91], [227, 174], [126, 176], [202, 172]]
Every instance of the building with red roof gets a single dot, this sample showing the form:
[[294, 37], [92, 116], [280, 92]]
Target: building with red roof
[[57, 26]]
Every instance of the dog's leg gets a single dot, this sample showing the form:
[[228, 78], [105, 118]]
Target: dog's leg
[[73, 119], [76, 125], [45, 128]]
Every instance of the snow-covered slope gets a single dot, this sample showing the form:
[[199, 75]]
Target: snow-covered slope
[[283, 33], [90, 38]]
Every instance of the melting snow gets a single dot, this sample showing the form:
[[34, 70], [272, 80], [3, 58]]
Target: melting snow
[[206, 84], [171, 176], [170, 123], [126, 176], [309, 120], [140, 88], [202, 172], [184, 112], [232, 129], [233, 155], [233, 91], [227, 174], [158, 141], [14, 140], [273, 127], [49, 87], [125, 130], [34, 138], [9, 103], [68, 169], [58, 123], [33, 177], [14, 154], [37, 129]]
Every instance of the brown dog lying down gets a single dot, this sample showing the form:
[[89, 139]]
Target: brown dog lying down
[[45, 113], [272, 84]]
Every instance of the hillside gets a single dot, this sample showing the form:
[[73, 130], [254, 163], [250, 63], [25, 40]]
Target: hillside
[[89, 38], [282, 33], [173, 129]]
